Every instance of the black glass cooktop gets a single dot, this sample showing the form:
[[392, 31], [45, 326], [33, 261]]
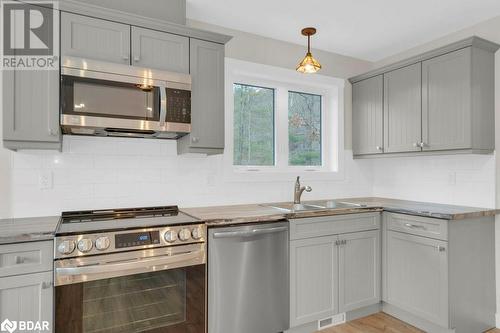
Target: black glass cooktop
[[117, 214]]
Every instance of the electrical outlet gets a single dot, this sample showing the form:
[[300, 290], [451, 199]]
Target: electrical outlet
[[45, 180]]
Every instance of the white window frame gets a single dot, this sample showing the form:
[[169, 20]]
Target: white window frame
[[285, 80]]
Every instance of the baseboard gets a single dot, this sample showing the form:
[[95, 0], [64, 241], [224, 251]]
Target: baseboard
[[497, 319]]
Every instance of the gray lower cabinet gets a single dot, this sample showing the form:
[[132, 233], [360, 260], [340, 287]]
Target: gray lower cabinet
[[440, 101], [334, 268], [403, 109], [359, 270], [207, 99], [27, 298], [26, 282], [417, 276], [313, 279], [367, 116], [160, 50], [438, 275], [87, 37], [30, 108]]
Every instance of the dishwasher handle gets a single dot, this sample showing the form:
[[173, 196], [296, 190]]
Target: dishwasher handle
[[249, 233]]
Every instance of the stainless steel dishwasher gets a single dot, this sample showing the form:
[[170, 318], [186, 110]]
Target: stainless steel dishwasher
[[248, 279]]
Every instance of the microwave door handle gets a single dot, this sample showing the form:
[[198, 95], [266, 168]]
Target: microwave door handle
[[163, 105], [163, 262]]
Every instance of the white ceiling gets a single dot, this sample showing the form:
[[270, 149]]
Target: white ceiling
[[366, 29]]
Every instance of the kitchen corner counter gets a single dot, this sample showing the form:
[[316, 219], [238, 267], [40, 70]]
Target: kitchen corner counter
[[255, 213], [425, 209], [31, 229]]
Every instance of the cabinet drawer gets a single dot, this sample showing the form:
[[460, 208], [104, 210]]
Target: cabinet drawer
[[23, 258], [417, 225], [332, 225]]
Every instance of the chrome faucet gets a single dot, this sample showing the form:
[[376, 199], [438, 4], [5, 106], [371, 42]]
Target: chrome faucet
[[298, 191]]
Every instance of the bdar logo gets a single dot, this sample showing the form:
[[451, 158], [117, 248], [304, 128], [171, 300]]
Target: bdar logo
[[8, 326]]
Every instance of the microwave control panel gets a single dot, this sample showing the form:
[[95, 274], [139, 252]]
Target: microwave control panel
[[178, 106]]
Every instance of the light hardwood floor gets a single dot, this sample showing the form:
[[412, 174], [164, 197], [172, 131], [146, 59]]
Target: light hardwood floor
[[378, 323]]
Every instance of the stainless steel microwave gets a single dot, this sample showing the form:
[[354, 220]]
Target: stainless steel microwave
[[106, 99]]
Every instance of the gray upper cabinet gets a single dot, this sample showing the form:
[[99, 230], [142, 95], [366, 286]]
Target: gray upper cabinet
[[367, 116], [30, 108], [313, 279], [359, 270], [417, 276], [207, 99], [87, 37], [160, 50], [441, 101], [402, 109], [446, 95]]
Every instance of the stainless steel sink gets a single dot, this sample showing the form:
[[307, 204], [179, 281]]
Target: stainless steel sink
[[316, 205], [290, 207]]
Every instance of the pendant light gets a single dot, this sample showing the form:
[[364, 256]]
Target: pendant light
[[308, 65]]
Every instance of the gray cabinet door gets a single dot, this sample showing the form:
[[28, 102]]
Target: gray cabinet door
[[446, 101], [207, 99], [92, 38], [367, 116], [155, 49], [31, 109], [417, 276], [359, 270], [313, 279], [28, 298], [403, 109]]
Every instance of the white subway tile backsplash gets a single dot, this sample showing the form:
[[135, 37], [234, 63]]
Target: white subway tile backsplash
[[98, 173]]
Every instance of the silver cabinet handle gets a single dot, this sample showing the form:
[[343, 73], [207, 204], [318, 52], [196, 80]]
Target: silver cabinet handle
[[195, 139], [415, 226], [422, 144], [416, 144], [380, 148], [341, 242], [137, 58], [441, 248], [231, 234], [46, 285], [125, 57], [337, 243], [19, 260]]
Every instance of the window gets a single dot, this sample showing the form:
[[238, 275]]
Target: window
[[304, 129], [282, 122], [253, 125]]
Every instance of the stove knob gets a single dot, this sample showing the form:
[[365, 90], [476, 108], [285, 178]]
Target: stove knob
[[197, 233], [170, 236], [85, 245], [66, 247], [102, 243], [184, 234]]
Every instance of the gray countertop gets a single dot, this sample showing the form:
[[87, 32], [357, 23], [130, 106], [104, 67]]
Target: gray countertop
[[31, 229], [236, 214], [19, 230]]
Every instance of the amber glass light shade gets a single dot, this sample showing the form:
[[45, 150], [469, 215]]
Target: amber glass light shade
[[308, 65]]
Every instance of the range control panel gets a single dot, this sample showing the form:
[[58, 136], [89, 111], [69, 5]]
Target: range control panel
[[178, 106], [111, 242]]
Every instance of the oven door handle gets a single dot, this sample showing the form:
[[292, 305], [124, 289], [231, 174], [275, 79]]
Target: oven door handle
[[163, 261]]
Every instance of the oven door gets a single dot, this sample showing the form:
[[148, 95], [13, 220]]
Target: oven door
[[158, 291]]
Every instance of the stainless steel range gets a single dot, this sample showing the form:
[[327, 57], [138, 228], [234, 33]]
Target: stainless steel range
[[130, 270]]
